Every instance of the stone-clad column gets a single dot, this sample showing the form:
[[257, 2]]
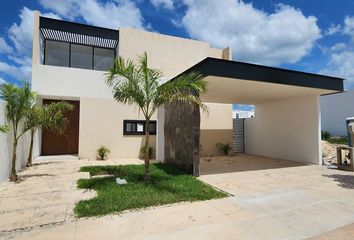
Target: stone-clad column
[[182, 136]]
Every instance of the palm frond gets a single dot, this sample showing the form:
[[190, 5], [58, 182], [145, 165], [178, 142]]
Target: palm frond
[[4, 128], [186, 88], [18, 101]]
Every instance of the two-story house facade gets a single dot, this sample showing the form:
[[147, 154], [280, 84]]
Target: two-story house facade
[[69, 63]]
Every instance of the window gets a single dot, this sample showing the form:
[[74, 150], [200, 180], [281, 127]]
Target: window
[[57, 53], [103, 59], [137, 127], [81, 56], [78, 56]]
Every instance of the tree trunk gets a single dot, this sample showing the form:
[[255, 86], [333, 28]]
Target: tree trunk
[[147, 148], [29, 160], [13, 176]]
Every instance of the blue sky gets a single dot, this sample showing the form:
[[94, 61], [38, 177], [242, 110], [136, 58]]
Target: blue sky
[[311, 36]]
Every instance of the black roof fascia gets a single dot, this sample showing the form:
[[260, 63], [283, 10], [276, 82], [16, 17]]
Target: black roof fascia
[[253, 72], [78, 28]]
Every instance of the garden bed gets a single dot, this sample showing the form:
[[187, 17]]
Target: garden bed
[[167, 185]]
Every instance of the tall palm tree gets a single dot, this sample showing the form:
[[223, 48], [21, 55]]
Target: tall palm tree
[[140, 85], [18, 99], [51, 117]]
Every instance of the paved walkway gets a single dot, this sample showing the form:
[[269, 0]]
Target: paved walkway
[[278, 200]]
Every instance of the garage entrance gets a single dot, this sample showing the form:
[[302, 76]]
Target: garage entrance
[[68, 143], [287, 113]]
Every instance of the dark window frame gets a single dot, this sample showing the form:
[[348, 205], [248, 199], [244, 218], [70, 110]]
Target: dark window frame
[[70, 43], [125, 122]]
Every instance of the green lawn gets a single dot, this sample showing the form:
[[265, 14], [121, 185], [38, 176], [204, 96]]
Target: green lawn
[[167, 185]]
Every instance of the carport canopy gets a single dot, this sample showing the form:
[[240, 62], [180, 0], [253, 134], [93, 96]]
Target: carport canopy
[[245, 83], [287, 122]]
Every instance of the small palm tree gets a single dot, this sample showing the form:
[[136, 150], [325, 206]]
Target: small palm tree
[[18, 99], [50, 116], [140, 85]]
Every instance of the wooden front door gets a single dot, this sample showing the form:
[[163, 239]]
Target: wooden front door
[[68, 143]]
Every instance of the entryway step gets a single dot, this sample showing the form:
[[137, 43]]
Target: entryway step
[[56, 158]]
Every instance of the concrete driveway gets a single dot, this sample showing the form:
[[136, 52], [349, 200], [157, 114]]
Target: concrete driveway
[[271, 199]]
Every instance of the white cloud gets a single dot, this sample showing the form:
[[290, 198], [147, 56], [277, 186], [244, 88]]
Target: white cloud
[[111, 14], [284, 36], [338, 47], [18, 73], [167, 4], [333, 29], [2, 81], [20, 35], [349, 26], [65, 8], [341, 65], [4, 47], [341, 55]]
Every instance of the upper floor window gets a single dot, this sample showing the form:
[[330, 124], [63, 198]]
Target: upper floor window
[[78, 56], [57, 53], [81, 56], [103, 58]]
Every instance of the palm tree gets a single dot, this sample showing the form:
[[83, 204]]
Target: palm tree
[[50, 117], [18, 101], [140, 85]]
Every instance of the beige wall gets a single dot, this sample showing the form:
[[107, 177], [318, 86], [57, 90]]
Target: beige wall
[[172, 55], [101, 123], [287, 129], [215, 127]]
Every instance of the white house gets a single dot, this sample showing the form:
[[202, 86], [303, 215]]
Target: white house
[[70, 61], [335, 109]]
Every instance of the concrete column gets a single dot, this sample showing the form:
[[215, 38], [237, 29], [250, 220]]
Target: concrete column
[[35, 44], [160, 141], [319, 128]]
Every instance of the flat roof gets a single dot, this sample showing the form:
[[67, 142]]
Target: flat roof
[[253, 72]]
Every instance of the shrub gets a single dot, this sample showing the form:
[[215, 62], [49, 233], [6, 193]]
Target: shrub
[[339, 140], [325, 135], [224, 148], [102, 152], [142, 152]]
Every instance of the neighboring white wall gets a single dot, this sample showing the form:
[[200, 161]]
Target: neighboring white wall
[[6, 148], [242, 114], [287, 129], [335, 108]]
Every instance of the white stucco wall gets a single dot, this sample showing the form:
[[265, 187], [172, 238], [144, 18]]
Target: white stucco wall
[[287, 129], [335, 108], [69, 82], [6, 148]]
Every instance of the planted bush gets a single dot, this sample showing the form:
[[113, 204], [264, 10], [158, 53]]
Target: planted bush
[[224, 148], [103, 152]]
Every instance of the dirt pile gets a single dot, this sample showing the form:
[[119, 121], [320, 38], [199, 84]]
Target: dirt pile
[[329, 152]]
